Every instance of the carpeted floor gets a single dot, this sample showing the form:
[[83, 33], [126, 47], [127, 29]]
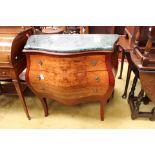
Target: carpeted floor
[[117, 113]]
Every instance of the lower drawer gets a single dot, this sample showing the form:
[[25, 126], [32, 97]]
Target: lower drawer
[[81, 79], [70, 86], [5, 73]]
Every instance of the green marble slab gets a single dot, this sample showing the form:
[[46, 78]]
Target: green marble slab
[[71, 42]]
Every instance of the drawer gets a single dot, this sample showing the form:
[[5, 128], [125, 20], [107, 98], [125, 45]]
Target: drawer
[[69, 86], [47, 81], [5, 73], [71, 64]]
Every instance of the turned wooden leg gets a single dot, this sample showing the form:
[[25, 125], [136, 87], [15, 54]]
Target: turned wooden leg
[[127, 82], [44, 104], [21, 96], [153, 114], [132, 100], [122, 64], [102, 105], [132, 91]]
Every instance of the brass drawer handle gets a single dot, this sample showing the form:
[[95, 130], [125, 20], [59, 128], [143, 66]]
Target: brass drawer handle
[[40, 62], [97, 78], [93, 62], [40, 77]]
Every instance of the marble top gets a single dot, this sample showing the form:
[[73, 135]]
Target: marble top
[[71, 42]]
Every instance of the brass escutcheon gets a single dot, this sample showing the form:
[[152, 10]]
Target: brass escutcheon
[[97, 78], [40, 62], [39, 77]]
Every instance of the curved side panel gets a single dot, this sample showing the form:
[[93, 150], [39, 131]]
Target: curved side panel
[[111, 72], [28, 63]]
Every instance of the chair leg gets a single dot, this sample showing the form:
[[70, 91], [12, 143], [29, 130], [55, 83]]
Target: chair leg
[[102, 105], [21, 96], [122, 64], [44, 104], [127, 82]]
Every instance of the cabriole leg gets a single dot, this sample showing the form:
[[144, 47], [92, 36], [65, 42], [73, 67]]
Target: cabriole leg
[[102, 107], [44, 104]]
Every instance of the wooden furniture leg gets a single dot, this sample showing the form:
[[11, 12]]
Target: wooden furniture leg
[[44, 104], [1, 90], [122, 64], [152, 118], [102, 105], [131, 94], [132, 99], [18, 88], [127, 82], [135, 102]]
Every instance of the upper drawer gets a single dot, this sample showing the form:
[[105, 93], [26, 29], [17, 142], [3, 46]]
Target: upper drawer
[[70, 64]]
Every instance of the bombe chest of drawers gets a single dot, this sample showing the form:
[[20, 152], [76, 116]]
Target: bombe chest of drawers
[[12, 60], [72, 68]]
